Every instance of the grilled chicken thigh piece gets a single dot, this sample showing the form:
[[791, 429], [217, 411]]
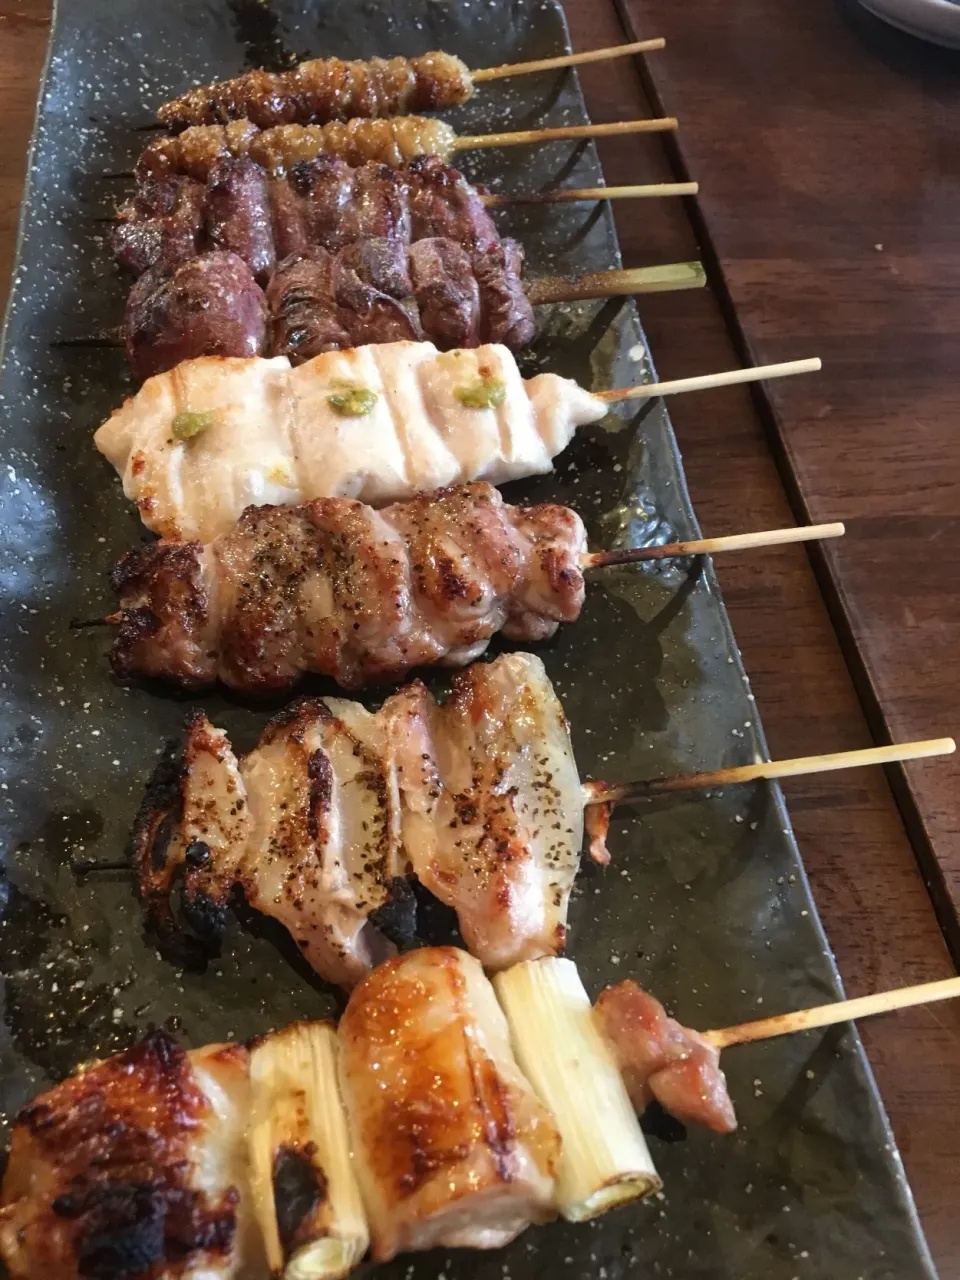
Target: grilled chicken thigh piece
[[135, 1168], [452, 1146], [337, 587]]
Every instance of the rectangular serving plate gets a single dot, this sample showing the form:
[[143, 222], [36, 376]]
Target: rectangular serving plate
[[706, 901]]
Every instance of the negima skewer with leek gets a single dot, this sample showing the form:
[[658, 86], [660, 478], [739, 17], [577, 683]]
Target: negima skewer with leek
[[153, 1165]]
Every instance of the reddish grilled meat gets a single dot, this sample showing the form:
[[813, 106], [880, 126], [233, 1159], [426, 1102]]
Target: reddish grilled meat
[[336, 587], [135, 1168], [324, 89], [661, 1059], [505, 312], [209, 305], [446, 292], [304, 316], [239, 217], [163, 223], [443, 203]]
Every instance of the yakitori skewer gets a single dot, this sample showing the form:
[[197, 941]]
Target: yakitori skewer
[[323, 89], [446, 1110], [516, 569], [542, 291], [197, 445], [391, 141], [478, 798], [410, 1126]]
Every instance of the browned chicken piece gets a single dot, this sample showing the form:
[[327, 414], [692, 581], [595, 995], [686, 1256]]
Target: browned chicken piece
[[493, 818], [308, 826], [323, 89], [325, 849], [452, 1146], [661, 1059], [135, 1170], [339, 588]]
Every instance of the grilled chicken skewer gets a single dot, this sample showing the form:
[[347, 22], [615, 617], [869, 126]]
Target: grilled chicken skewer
[[150, 1164], [391, 141], [197, 445], [158, 1163], [325, 822], [322, 89], [335, 587]]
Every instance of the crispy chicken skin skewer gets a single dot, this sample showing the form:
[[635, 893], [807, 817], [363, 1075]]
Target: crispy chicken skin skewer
[[336, 587], [135, 1167], [323, 89], [660, 1059], [323, 822], [452, 1146], [199, 444]]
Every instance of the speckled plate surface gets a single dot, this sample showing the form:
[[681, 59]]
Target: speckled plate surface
[[706, 899]]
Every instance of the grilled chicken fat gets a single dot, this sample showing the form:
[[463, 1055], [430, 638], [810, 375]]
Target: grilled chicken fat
[[339, 588], [199, 444], [661, 1059], [452, 1146], [323, 822], [135, 1168]]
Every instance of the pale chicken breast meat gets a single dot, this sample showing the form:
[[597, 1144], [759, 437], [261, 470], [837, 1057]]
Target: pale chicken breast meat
[[135, 1170], [198, 444], [452, 1146]]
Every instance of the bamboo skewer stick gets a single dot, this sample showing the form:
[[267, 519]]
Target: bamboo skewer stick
[[554, 195], [756, 373], [596, 793], [568, 195], [826, 1015], [566, 60], [710, 546], [565, 133], [617, 284]]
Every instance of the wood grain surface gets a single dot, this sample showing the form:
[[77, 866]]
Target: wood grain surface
[[862, 866]]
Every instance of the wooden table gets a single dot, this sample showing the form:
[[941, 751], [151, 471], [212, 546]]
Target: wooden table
[[777, 98]]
